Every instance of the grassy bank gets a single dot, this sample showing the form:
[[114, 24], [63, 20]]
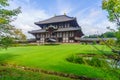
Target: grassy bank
[[17, 74]]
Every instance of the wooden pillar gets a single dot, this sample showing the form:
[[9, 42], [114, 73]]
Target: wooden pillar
[[68, 36], [55, 36]]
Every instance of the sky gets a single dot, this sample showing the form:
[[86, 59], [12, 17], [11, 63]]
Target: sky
[[90, 16]]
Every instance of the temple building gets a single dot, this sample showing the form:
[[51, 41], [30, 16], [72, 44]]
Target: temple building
[[61, 28]]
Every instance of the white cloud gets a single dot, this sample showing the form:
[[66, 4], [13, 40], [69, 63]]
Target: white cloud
[[29, 15], [93, 21]]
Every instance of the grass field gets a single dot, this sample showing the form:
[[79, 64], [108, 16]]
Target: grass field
[[53, 58]]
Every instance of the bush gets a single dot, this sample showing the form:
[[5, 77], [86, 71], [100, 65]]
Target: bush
[[18, 44], [76, 59], [109, 42], [98, 62], [70, 58], [5, 42], [79, 60]]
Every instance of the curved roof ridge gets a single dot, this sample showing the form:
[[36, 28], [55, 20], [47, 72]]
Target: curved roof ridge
[[63, 15], [55, 19]]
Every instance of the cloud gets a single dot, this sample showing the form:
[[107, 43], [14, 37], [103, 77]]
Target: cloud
[[93, 21], [29, 15]]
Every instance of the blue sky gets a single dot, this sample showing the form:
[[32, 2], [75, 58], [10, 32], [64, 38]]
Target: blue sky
[[89, 14]]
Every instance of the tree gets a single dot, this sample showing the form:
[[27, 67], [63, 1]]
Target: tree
[[113, 9], [19, 35], [7, 31], [5, 42], [108, 34]]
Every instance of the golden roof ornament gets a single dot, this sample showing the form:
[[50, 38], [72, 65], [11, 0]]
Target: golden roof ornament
[[64, 13]]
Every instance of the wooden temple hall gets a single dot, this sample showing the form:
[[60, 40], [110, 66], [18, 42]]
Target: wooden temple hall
[[61, 28]]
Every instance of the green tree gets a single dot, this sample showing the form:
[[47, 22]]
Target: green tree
[[109, 34], [19, 35], [7, 31], [5, 42], [113, 9]]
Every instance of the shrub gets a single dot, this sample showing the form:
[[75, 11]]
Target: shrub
[[102, 43], [70, 58], [79, 60], [18, 44], [98, 62], [109, 42], [76, 59]]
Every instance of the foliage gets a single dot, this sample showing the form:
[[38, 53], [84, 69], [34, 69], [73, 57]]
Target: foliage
[[5, 42], [70, 58], [22, 44], [8, 31], [110, 42], [108, 34], [113, 9], [98, 62], [75, 59], [118, 39], [92, 36], [19, 35]]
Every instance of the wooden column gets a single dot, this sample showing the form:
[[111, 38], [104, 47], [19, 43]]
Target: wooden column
[[68, 36]]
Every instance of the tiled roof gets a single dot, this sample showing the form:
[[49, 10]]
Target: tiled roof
[[59, 30], [55, 19]]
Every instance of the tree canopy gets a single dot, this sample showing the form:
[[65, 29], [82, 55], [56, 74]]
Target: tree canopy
[[108, 34], [8, 31], [113, 9]]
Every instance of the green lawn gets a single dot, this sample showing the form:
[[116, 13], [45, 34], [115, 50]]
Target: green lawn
[[53, 58]]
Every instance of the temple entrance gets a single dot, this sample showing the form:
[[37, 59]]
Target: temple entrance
[[60, 40]]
